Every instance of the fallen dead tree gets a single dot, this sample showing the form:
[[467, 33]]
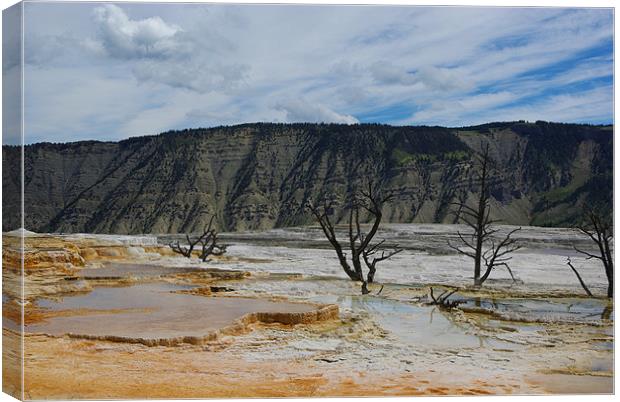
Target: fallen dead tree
[[442, 300]]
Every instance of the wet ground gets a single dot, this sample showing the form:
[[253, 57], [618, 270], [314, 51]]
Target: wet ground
[[526, 337], [393, 329]]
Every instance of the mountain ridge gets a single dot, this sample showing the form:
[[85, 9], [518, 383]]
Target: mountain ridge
[[258, 175], [264, 123]]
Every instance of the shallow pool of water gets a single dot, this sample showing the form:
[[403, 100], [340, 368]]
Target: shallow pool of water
[[577, 310], [416, 324], [399, 311], [150, 311]]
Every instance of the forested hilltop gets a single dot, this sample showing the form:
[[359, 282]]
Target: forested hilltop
[[260, 176]]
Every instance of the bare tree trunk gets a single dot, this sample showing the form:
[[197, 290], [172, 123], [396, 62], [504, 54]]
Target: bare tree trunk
[[601, 232], [477, 281], [610, 281], [322, 216], [353, 238], [478, 219], [583, 284], [359, 243], [482, 206], [365, 290], [609, 269], [371, 273], [606, 314], [371, 251]]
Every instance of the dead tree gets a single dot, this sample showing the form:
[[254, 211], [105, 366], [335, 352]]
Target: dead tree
[[421, 193], [601, 233], [479, 220], [208, 241], [359, 245], [185, 251], [371, 261], [583, 284], [322, 215], [442, 300], [497, 255]]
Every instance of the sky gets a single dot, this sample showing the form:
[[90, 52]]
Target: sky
[[107, 72]]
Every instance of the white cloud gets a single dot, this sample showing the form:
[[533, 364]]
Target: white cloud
[[155, 120], [11, 76], [193, 76], [11, 37], [387, 73], [353, 94], [454, 112], [11, 105], [69, 104], [300, 110], [126, 38], [583, 106], [163, 53], [203, 64], [444, 79], [435, 78]]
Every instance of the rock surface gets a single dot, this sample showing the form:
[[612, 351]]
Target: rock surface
[[259, 176]]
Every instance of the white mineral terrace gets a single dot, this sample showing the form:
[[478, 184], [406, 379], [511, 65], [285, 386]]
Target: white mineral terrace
[[534, 335], [540, 265]]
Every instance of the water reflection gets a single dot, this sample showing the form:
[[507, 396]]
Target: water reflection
[[417, 324], [607, 312], [573, 310]]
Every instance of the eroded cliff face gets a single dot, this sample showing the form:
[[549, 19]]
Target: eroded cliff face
[[259, 176]]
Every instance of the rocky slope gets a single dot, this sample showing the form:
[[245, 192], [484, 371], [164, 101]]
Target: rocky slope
[[259, 176]]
